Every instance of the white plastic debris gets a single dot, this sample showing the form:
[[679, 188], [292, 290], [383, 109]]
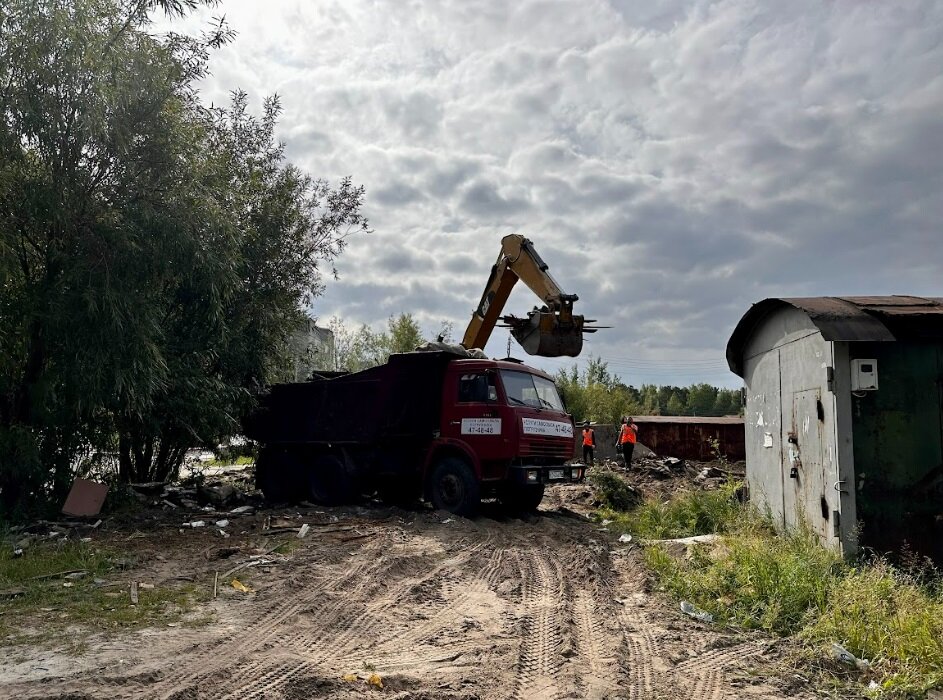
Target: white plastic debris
[[222, 523], [691, 611], [448, 520], [626, 537], [195, 523], [605, 522], [846, 657], [697, 539], [241, 509], [303, 531], [224, 533], [17, 552]]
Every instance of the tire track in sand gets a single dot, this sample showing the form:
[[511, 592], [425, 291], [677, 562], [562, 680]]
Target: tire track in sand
[[540, 662], [643, 648], [597, 669], [704, 675], [218, 659], [337, 628]]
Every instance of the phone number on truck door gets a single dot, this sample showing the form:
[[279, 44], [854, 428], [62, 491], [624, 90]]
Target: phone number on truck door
[[481, 426]]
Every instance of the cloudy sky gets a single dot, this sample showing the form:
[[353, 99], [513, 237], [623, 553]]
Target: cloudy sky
[[673, 162]]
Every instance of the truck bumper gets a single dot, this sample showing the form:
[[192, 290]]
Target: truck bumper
[[547, 475]]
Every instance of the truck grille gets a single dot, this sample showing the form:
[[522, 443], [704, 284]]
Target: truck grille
[[546, 447]]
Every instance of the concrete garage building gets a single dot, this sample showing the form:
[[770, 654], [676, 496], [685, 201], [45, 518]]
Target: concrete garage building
[[843, 418]]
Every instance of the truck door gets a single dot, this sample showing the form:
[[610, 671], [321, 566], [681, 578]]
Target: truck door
[[472, 414]]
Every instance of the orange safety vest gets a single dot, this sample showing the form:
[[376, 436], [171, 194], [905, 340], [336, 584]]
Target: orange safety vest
[[628, 434], [588, 437]]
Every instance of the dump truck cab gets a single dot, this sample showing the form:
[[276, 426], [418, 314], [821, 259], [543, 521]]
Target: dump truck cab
[[508, 423]]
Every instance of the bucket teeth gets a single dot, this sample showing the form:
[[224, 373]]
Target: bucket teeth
[[543, 334]]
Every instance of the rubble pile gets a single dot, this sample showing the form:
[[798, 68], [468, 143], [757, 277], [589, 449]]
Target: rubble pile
[[224, 492]]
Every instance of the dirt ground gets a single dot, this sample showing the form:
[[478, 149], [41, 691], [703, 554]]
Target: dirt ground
[[540, 607]]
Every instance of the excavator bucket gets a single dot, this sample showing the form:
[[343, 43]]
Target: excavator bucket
[[543, 334]]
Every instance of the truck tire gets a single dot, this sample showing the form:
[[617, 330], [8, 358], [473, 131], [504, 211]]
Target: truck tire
[[522, 498], [454, 487], [273, 476], [330, 483]]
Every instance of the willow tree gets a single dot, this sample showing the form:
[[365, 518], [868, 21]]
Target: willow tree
[[154, 253]]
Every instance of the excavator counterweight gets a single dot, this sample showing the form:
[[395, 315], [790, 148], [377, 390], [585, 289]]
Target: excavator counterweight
[[550, 331]]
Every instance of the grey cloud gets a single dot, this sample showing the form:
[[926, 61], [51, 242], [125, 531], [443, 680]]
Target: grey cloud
[[417, 114], [396, 195], [482, 199]]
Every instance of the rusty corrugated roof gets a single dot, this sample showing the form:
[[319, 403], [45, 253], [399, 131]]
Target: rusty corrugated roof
[[701, 420], [867, 318]]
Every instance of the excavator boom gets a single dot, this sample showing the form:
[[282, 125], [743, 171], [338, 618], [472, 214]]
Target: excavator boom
[[550, 331]]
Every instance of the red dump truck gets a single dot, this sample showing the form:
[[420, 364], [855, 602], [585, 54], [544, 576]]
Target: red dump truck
[[441, 425]]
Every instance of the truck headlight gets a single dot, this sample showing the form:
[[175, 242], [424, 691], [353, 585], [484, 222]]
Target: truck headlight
[[532, 477]]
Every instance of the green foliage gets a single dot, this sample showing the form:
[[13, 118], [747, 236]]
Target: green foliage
[[688, 513], [883, 615], [614, 491], [364, 347], [755, 579], [154, 254], [595, 395]]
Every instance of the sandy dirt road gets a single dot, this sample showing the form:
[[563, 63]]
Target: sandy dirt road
[[537, 608]]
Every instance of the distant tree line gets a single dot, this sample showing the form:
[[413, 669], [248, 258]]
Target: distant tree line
[[594, 394], [357, 348], [155, 253]]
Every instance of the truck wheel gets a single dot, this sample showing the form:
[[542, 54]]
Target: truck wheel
[[329, 481], [523, 498], [272, 475], [454, 487]]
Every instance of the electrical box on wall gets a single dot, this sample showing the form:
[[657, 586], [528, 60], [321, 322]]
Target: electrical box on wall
[[864, 375]]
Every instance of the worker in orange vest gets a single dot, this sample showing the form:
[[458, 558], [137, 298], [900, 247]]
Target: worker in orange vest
[[628, 436], [589, 443]]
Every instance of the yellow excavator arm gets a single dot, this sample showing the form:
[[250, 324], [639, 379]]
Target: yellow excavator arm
[[550, 331]]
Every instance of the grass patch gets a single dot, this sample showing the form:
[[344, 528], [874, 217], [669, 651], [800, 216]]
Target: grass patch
[[881, 614], [787, 584], [689, 513], [239, 461], [48, 601], [755, 579]]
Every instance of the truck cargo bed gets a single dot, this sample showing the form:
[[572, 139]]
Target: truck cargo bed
[[392, 402]]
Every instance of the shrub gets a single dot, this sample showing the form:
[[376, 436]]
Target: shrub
[[614, 491]]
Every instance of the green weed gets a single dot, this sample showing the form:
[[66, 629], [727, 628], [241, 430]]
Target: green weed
[[885, 616], [754, 579], [614, 491], [688, 513], [36, 593]]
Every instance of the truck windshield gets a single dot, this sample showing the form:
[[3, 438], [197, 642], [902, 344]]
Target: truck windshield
[[525, 389]]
